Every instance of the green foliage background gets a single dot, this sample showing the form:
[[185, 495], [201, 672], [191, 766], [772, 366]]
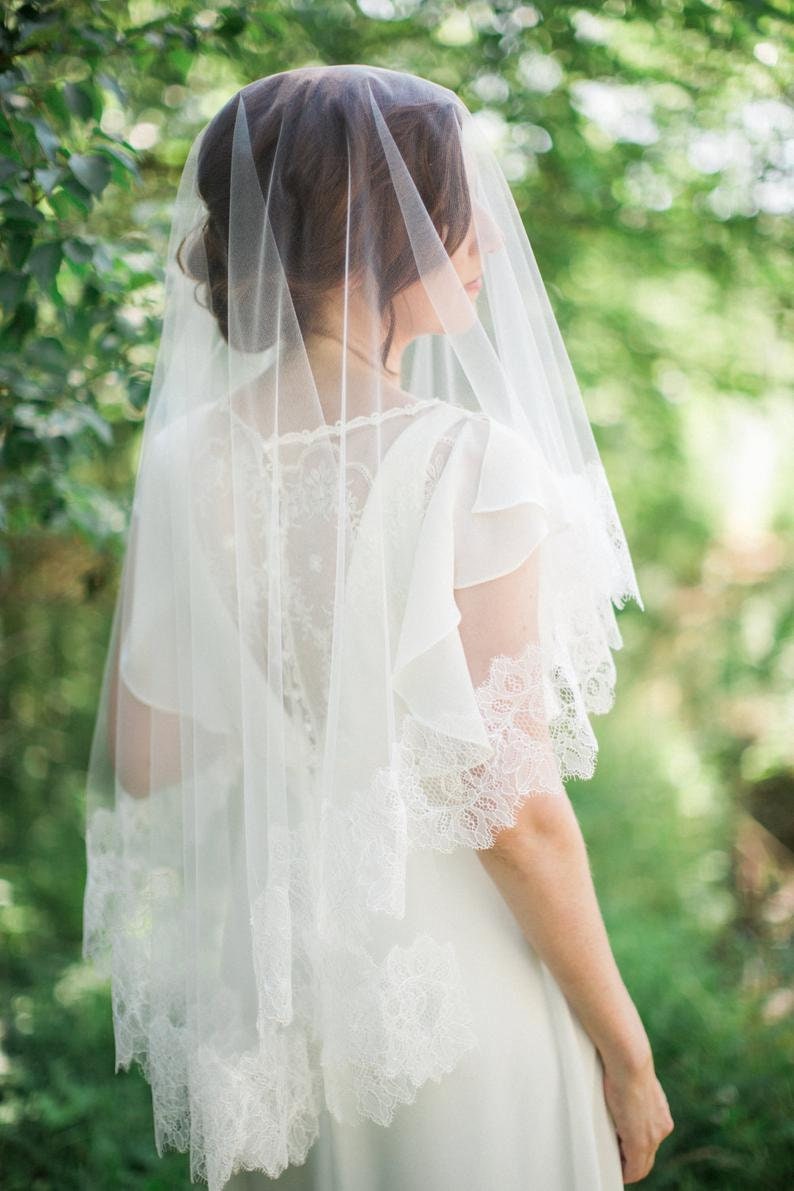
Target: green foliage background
[[650, 149]]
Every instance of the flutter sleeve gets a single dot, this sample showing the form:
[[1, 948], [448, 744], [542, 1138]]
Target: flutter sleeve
[[479, 734], [504, 523]]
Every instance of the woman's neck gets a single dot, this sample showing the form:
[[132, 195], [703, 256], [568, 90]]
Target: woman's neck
[[352, 323], [362, 352], [368, 384]]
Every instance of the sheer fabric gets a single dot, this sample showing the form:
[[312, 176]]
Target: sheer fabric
[[342, 434]]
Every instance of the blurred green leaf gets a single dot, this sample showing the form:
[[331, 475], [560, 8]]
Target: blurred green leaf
[[91, 170], [17, 211], [18, 327], [18, 246], [47, 178], [66, 421], [12, 289], [47, 137], [77, 250], [53, 99], [8, 169], [44, 262], [79, 100], [78, 195]]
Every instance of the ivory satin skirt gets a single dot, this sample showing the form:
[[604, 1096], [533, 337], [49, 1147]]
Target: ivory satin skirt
[[524, 1111]]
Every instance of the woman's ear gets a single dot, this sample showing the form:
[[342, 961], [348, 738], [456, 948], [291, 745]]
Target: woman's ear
[[489, 237]]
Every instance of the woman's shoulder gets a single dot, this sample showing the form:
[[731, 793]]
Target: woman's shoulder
[[483, 435]]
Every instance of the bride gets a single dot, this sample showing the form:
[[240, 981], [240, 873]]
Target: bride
[[365, 613]]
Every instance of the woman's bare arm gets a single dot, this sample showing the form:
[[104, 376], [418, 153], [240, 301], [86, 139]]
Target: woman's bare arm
[[540, 865], [136, 733], [542, 870]]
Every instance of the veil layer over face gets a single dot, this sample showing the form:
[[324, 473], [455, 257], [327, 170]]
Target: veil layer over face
[[366, 608]]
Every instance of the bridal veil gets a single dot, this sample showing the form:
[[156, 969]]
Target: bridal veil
[[361, 406]]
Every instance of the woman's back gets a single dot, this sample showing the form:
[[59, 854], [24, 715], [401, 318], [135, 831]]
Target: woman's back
[[347, 652]]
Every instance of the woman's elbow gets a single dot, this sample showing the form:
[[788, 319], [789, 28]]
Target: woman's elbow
[[543, 820]]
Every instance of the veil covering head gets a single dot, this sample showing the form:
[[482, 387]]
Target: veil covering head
[[346, 442]]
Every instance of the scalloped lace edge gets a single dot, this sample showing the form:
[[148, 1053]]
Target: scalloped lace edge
[[389, 1025]]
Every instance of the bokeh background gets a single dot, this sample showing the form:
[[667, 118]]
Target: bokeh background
[[650, 148]]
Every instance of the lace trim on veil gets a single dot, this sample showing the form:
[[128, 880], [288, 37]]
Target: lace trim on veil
[[385, 1026]]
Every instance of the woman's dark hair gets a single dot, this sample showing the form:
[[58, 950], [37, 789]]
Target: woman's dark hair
[[308, 208]]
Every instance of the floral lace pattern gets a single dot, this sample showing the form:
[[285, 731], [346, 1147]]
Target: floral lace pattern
[[308, 486], [388, 1025], [454, 798]]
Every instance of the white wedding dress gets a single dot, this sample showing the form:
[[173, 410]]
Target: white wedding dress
[[525, 1111], [523, 1107]]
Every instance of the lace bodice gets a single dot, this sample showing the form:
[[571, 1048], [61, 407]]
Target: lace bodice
[[308, 480]]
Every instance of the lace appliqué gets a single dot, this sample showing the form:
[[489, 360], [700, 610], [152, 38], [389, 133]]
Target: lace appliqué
[[459, 793], [337, 1027]]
